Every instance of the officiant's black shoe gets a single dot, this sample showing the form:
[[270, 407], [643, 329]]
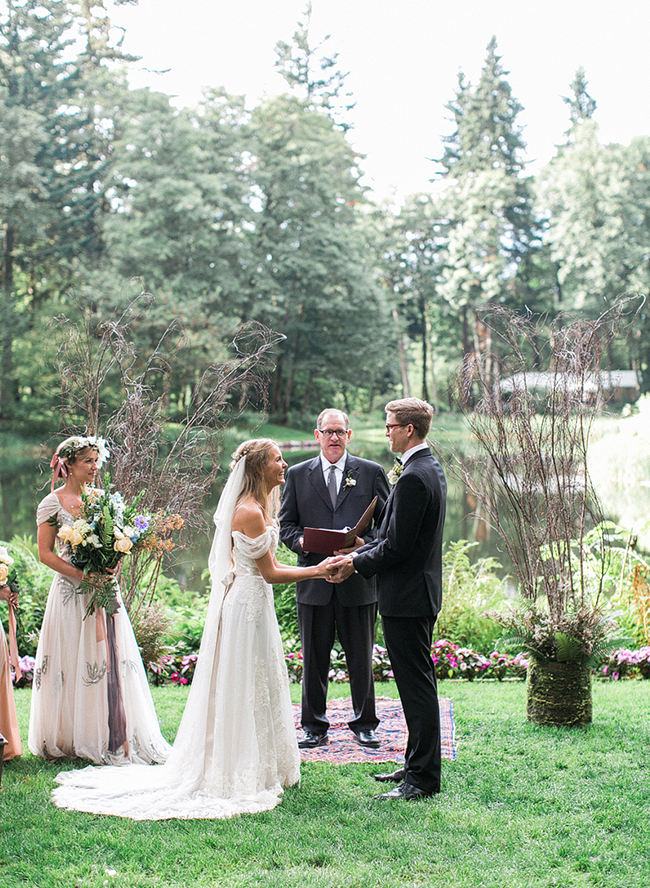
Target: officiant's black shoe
[[311, 740], [395, 777], [368, 738], [405, 792]]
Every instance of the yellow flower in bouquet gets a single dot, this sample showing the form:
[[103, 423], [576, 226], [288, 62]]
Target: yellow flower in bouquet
[[5, 563], [122, 543]]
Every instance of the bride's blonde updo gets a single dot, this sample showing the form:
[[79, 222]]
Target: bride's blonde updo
[[257, 452]]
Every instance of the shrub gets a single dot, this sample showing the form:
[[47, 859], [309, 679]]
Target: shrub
[[35, 580], [469, 589], [284, 595], [174, 668]]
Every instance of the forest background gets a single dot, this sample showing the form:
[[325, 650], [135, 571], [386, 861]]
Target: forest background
[[222, 214]]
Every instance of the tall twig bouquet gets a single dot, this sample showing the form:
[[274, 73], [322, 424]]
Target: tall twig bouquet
[[106, 530]]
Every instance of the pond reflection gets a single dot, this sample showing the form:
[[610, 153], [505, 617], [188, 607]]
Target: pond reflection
[[24, 482]]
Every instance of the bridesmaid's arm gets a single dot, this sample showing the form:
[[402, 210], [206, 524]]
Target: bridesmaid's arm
[[46, 537]]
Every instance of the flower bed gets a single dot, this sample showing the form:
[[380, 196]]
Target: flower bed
[[451, 661], [623, 663]]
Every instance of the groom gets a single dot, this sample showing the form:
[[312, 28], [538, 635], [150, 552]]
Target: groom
[[406, 558]]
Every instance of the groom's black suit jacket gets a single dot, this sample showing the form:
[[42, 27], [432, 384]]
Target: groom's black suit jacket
[[406, 555], [306, 503]]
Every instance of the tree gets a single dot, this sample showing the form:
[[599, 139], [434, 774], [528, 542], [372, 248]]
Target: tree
[[312, 282], [54, 150], [180, 197], [595, 200], [581, 105], [487, 200], [317, 80]]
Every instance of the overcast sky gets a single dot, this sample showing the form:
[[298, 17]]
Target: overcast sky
[[403, 57]]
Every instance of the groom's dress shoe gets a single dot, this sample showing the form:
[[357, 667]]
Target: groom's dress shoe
[[396, 776], [368, 738], [406, 792], [311, 740]]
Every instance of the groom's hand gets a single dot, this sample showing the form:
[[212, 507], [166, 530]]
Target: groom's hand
[[344, 568], [358, 542]]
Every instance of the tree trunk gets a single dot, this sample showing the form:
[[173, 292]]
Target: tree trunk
[[425, 353], [558, 693], [7, 315], [406, 389]]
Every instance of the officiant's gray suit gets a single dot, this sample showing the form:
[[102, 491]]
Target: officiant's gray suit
[[349, 608]]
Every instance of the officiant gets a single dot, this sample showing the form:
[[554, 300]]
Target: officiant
[[333, 491]]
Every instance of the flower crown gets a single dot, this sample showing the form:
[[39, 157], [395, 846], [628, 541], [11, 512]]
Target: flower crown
[[77, 443]]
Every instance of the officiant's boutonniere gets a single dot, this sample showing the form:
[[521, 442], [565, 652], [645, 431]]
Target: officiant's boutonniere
[[349, 480], [395, 472]]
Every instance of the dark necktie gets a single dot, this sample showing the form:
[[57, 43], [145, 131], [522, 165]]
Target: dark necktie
[[331, 485]]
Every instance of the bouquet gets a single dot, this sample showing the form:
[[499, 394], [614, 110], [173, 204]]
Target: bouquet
[[9, 577], [106, 531], [8, 574]]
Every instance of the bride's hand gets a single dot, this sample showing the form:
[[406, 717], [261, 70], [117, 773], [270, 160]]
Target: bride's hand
[[325, 568]]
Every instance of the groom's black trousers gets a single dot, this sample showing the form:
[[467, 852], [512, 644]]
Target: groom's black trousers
[[408, 640]]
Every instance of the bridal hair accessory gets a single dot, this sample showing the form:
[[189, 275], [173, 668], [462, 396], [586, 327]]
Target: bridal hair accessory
[[237, 456], [68, 448]]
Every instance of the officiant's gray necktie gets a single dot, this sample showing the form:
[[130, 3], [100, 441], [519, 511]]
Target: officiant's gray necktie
[[331, 486]]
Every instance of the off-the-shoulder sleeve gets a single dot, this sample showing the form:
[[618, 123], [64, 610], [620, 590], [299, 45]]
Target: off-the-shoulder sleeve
[[47, 508], [254, 547]]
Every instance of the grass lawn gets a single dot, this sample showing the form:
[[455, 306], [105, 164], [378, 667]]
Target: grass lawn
[[521, 807]]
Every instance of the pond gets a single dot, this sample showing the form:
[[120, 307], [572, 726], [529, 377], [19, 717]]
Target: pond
[[25, 480]]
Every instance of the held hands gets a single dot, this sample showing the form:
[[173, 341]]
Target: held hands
[[343, 568], [325, 569]]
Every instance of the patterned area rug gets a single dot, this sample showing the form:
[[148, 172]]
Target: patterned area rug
[[343, 748]]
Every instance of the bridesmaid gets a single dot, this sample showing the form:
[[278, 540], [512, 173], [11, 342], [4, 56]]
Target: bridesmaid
[[8, 721], [89, 700]]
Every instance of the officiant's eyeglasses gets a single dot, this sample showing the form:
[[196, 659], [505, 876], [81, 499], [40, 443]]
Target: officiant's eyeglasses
[[330, 433]]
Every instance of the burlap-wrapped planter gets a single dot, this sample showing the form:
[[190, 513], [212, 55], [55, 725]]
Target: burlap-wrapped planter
[[558, 693]]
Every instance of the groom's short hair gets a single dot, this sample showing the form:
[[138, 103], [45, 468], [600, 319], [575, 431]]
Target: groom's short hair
[[412, 411]]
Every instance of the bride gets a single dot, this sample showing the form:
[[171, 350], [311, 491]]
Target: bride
[[236, 746]]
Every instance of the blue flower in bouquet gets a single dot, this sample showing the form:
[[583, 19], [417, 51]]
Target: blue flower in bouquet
[[142, 522]]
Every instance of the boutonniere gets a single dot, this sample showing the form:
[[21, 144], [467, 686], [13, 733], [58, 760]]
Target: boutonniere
[[395, 472], [349, 480]]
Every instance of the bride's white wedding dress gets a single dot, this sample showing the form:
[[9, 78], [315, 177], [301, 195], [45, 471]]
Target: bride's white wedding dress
[[236, 747]]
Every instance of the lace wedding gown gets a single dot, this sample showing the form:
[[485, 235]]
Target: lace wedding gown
[[70, 693], [236, 746]]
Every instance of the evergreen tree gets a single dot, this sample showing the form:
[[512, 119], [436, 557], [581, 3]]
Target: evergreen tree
[[581, 105], [317, 80], [487, 202]]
